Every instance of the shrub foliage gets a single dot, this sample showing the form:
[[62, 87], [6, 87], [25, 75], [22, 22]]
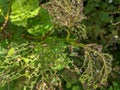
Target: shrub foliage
[[41, 48]]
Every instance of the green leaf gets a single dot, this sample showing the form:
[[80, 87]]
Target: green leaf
[[26, 60], [22, 10], [11, 52], [104, 17], [3, 9], [76, 87], [68, 85], [4, 6], [40, 24], [1, 19], [69, 76], [103, 5]]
